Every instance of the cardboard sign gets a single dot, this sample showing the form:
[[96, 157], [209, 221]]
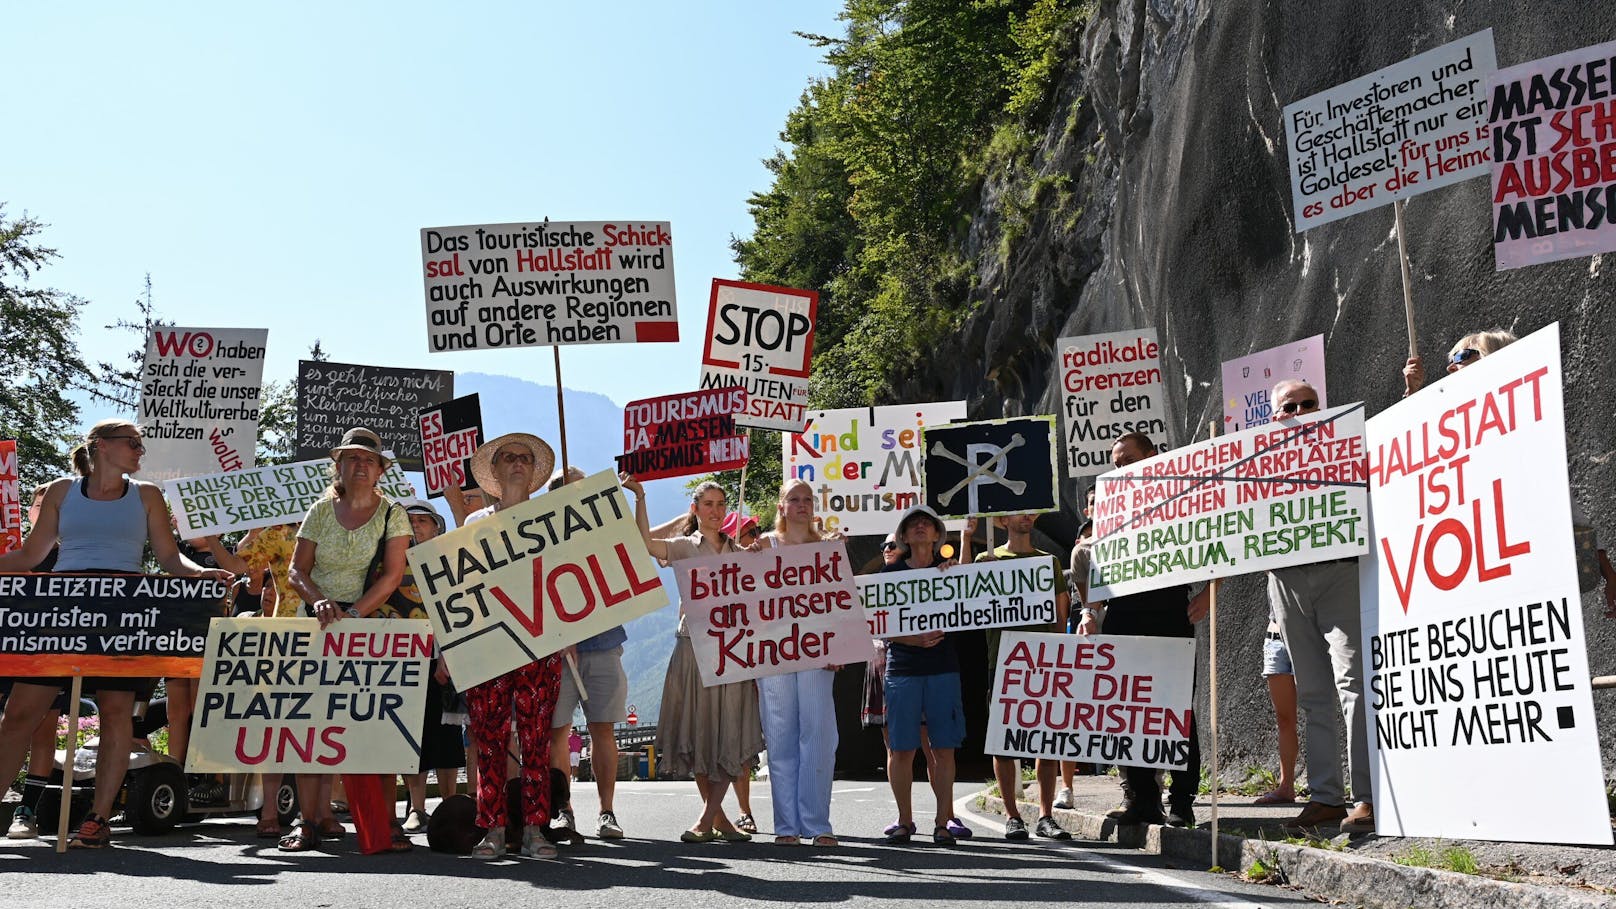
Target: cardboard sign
[[1112, 699], [10, 498], [1111, 385], [1004, 594], [1411, 127], [1553, 158], [1248, 381], [450, 434], [123, 625], [260, 497], [757, 614], [865, 463], [1473, 646], [282, 696], [332, 398], [1282, 494], [513, 588], [199, 404], [548, 283], [681, 435], [990, 467], [762, 338]]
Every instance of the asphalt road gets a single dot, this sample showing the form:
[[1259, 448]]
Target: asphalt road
[[219, 863]]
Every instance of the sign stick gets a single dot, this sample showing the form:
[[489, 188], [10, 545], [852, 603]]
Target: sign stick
[[577, 680], [561, 417], [1212, 647], [1408, 279], [740, 506], [67, 762]]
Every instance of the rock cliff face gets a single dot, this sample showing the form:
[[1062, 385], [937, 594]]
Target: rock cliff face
[[1160, 195]]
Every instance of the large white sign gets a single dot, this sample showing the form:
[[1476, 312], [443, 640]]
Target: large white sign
[[544, 283], [762, 337], [865, 463], [1282, 494], [1111, 385], [1114, 699], [1474, 658], [261, 497], [1002, 594], [1413, 126], [199, 404]]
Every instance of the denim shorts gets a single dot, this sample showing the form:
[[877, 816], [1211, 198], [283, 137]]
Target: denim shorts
[[929, 700], [1276, 660]]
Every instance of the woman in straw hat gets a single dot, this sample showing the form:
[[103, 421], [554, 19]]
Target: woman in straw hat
[[510, 469]]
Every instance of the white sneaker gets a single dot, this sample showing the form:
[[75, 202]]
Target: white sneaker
[[24, 826], [609, 828], [1064, 799]]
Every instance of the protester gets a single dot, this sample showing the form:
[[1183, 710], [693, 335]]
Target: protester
[[1280, 678], [511, 468], [605, 704], [798, 708], [1468, 350], [922, 687], [1078, 582], [204, 789], [1169, 612], [348, 561], [1007, 770], [103, 521], [42, 748], [713, 733], [575, 752], [441, 746]]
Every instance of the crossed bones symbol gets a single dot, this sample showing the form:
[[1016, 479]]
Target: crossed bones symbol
[[985, 469]]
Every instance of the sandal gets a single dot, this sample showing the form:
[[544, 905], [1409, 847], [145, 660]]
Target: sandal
[[825, 840], [787, 841], [332, 829], [535, 845], [303, 838], [698, 836], [400, 842], [899, 834], [268, 829], [733, 836], [492, 845], [942, 837], [1274, 798], [745, 824]]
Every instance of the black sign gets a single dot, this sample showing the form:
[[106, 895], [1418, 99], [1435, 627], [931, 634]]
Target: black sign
[[105, 624], [990, 468], [335, 397], [450, 434]]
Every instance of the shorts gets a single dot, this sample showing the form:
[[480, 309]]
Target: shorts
[[1276, 660], [574, 758], [930, 700], [604, 682]]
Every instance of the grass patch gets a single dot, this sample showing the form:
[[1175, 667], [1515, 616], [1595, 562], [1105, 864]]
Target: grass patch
[[1453, 858]]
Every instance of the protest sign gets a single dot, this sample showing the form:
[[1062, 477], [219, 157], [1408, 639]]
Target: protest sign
[[1111, 385], [1282, 494], [1003, 594], [79, 623], [450, 434], [199, 400], [1473, 651], [990, 467], [1413, 126], [261, 497], [332, 398], [757, 614], [762, 338], [680, 435], [1554, 157], [1112, 699], [548, 283], [282, 696], [10, 497], [1248, 381], [527, 581], [864, 462]]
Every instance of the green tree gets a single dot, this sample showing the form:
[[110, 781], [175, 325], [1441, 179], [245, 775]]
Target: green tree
[[120, 385]]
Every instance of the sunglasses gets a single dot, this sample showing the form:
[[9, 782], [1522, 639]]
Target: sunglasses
[[515, 457], [1461, 357], [135, 443], [888, 547], [1294, 406]]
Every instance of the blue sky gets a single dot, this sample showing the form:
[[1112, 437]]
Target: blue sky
[[271, 167]]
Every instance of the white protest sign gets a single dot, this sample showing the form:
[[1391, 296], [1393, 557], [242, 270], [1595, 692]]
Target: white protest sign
[[1282, 494], [1413, 126], [1473, 644], [865, 463], [527, 581], [756, 614], [1249, 380], [199, 402], [762, 338], [1554, 157], [261, 497], [546, 283], [1111, 385], [1002, 594], [282, 696], [1114, 699]]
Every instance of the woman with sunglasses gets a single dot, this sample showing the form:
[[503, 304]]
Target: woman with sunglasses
[[1469, 349], [103, 521]]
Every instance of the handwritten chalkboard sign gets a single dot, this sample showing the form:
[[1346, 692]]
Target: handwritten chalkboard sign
[[335, 397]]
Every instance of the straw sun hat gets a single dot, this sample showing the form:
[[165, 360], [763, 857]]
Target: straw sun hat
[[482, 463]]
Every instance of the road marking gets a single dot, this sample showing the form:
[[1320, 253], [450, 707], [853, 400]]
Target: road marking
[[1200, 893]]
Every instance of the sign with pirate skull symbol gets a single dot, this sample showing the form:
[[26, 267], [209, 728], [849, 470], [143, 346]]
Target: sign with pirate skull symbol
[[991, 467]]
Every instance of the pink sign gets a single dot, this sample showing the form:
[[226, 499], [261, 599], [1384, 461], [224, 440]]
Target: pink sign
[[10, 498]]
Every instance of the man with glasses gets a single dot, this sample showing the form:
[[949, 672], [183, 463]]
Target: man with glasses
[[1317, 607]]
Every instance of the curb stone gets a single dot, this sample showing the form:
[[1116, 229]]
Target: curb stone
[[1321, 873]]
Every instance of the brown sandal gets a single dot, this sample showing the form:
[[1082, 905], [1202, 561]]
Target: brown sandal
[[303, 838], [401, 842]]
